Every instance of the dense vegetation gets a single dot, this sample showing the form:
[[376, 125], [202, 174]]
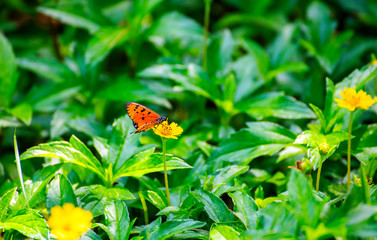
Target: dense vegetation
[[266, 152]]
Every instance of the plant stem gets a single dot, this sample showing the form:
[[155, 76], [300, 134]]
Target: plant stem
[[318, 175], [349, 152], [207, 9], [18, 162], [165, 170], [145, 209], [365, 184]]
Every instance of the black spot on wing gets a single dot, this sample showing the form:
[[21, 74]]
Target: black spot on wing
[[143, 110]]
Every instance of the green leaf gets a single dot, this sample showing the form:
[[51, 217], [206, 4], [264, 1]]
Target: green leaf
[[261, 138], [74, 151], [245, 209], [71, 17], [214, 206], [27, 222], [117, 220], [173, 227], [60, 191], [191, 78], [122, 144], [306, 208], [95, 197], [220, 51], [50, 69], [224, 176], [175, 25], [247, 79], [8, 73], [318, 112], [148, 162], [5, 202], [105, 40], [223, 232], [124, 89], [36, 189], [276, 218], [274, 105], [22, 111], [259, 54], [157, 199], [90, 235]]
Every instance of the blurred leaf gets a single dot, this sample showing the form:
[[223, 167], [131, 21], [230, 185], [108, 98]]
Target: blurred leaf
[[95, 197], [8, 73], [191, 78], [274, 105], [59, 192], [219, 53], [48, 68], [245, 209], [177, 26], [276, 218], [173, 227], [22, 111], [214, 206], [131, 90], [223, 232], [71, 17], [306, 207], [147, 162], [260, 138], [90, 235], [103, 42]]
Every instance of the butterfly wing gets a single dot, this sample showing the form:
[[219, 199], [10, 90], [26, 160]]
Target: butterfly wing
[[142, 117]]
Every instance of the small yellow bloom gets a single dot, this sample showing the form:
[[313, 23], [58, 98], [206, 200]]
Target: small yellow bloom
[[351, 100], [357, 180], [168, 131], [324, 147], [69, 222], [374, 62]]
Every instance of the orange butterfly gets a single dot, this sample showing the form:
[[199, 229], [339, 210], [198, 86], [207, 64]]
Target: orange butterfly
[[142, 117]]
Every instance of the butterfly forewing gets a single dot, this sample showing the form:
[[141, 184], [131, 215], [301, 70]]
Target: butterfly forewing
[[142, 117]]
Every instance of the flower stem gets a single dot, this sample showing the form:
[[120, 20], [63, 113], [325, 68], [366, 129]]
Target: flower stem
[[145, 209], [318, 175], [207, 9], [349, 152], [165, 170]]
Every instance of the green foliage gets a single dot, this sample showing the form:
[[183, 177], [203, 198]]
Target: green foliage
[[253, 91]]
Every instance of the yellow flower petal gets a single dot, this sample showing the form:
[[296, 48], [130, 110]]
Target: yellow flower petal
[[352, 100], [168, 131], [69, 222]]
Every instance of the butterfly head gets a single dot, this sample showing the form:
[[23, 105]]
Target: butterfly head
[[162, 119]]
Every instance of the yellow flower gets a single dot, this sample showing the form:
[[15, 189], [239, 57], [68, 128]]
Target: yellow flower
[[69, 222], [374, 62], [168, 131], [351, 100]]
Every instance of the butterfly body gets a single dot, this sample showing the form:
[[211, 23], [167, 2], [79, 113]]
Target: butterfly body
[[142, 117]]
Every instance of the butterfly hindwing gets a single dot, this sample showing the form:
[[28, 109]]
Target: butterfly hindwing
[[142, 117]]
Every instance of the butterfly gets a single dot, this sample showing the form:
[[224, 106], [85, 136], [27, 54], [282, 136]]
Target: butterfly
[[142, 117]]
